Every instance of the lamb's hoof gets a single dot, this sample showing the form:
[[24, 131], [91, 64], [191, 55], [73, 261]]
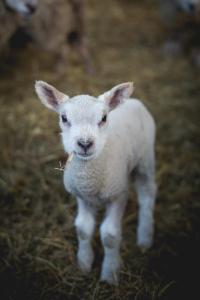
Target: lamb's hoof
[[84, 267], [110, 271], [143, 249], [110, 277], [144, 244], [85, 261]]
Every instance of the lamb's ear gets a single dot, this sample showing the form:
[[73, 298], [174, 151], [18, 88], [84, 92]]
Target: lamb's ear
[[49, 95], [117, 94]]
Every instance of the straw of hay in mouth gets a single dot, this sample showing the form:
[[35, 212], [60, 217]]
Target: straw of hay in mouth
[[61, 166], [70, 157]]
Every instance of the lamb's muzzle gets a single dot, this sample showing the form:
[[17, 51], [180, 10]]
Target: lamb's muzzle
[[85, 146], [108, 138]]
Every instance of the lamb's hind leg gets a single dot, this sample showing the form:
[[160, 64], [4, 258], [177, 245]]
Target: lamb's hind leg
[[111, 237], [146, 192], [85, 224]]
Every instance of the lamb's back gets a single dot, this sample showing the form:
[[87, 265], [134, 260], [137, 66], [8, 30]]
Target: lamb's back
[[132, 132]]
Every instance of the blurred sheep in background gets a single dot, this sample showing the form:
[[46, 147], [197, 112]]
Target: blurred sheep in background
[[50, 25], [10, 23], [181, 18], [24, 8]]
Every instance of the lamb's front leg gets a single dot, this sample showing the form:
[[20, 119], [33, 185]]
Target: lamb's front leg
[[111, 237], [85, 224]]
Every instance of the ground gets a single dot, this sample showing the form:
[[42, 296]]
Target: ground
[[37, 238]]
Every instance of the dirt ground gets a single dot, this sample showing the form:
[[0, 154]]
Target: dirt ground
[[37, 237]]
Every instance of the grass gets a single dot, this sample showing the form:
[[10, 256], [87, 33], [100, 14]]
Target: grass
[[37, 238]]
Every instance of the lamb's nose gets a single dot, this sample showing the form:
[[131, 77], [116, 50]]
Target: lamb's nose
[[31, 8], [85, 145], [191, 7]]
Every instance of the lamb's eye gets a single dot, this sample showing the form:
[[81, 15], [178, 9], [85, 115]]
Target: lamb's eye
[[65, 120], [103, 120]]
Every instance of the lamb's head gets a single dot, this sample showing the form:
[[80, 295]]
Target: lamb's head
[[84, 120], [24, 7]]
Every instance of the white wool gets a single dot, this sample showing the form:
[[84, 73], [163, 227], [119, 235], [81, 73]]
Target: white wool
[[130, 135], [105, 153]]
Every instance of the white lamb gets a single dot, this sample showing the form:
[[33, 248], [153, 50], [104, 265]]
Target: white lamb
[[170, 8], [110, 137]]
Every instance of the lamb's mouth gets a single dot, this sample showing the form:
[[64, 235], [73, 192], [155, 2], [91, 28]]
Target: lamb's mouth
[[84, 155]]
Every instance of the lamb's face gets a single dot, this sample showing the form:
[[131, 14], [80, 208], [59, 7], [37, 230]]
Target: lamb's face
[[189, 6], [84, 123], [23, 7], [84, 120]]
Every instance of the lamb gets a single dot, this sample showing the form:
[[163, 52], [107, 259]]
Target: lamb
[[10, 23], [13, 15], [24, 8], [181, 18], [170, 8], [108, 138], [35, 18]]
